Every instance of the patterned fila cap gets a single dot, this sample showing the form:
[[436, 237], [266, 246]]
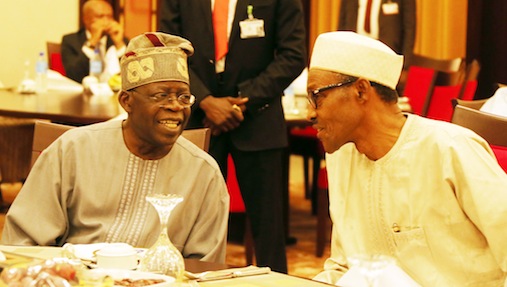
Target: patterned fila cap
[[155, 57]]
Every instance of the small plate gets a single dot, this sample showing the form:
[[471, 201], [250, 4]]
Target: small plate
[[89, 277], [87, 252]]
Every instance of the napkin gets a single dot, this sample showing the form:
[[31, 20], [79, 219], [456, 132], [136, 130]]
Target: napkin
[[391, 276], [227, 273]]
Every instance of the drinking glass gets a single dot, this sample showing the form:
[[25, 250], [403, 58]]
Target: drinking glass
[[370, 266], [163, 257]]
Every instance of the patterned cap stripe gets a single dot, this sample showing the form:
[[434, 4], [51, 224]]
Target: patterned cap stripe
[[154, 40]]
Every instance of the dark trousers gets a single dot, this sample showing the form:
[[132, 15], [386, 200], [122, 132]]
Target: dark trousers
[[259, 175]]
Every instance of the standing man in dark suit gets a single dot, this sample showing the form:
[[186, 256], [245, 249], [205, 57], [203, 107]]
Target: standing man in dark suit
[[101, 32], [239, 97], [391, 21]]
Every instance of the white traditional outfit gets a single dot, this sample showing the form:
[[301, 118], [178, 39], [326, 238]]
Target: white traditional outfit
[[437, 202], [87, 187]]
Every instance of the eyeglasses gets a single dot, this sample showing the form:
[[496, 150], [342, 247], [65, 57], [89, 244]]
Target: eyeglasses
[[186, 100], [313, 96]]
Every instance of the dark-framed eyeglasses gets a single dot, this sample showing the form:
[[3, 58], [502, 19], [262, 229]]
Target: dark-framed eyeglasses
[[186, 100], [313, 96]]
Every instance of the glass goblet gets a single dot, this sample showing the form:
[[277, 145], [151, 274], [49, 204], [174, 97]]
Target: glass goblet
[[370, 266], [163, 257]]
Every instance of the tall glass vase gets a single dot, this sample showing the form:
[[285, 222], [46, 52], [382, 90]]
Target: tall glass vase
[[163, 257]]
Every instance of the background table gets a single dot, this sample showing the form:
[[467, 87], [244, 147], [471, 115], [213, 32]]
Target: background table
[[71, 107]]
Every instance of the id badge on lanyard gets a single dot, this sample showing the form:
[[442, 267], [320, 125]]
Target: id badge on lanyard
[[390, 8], [251, 27]]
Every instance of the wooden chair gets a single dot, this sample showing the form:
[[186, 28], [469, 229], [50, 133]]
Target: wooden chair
[[440, 106], [473, 104], [44, 134], [424, 74], [200, 137], [55, 57], [489, 126]]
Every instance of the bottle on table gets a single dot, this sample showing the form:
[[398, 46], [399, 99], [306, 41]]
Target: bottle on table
[[41, 73], [96, 64]]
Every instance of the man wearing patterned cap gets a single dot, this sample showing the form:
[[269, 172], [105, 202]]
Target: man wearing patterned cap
[[90, 185], [427, 193]]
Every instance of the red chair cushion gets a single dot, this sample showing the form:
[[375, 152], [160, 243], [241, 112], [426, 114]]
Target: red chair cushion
[[417, 87], [501, 155], [236, 200], [441, 102], [56, 63]]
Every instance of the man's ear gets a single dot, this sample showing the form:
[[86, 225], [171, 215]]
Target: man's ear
[[124, 98], [363, 87]]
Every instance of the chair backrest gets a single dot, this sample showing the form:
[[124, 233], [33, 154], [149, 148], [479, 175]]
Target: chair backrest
[[45, 133], [200, 137], [471, 74], [491, 127], [424, 73], [55, 57], [440, 105], [474, 104]]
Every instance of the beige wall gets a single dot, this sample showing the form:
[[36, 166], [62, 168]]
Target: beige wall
[[26, 26]]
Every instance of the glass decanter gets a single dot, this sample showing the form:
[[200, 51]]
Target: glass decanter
[[163, 257]]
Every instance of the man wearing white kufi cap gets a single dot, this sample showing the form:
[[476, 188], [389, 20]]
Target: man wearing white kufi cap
[[406, 187], [91, 184]]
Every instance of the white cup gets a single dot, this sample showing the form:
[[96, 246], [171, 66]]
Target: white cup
[[117, 256]]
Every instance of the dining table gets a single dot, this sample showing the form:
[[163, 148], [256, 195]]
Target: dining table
[[64, 101], [267, 279]]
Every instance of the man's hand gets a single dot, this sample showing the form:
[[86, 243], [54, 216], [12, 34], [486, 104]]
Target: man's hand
[[223, 114], [97, 30], [115, 31]]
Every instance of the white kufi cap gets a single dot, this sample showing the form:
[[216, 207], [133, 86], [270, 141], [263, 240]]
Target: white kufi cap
[[356, 55]]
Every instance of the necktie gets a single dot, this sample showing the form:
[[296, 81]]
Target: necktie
[[367, 16], [220, 15]]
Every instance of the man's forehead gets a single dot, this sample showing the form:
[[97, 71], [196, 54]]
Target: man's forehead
[[317, 76]]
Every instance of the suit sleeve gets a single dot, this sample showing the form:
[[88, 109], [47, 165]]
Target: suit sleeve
[[75, 62]]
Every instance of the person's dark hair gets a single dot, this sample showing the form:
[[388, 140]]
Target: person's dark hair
[[386, 94]]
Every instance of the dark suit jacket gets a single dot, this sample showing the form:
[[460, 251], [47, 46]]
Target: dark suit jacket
[[397, 31], [257, 68], [75, 62]]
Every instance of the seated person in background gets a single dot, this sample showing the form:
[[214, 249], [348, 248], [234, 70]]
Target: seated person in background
[[90, 185], [497, 104], [101, 32], [428, 193]]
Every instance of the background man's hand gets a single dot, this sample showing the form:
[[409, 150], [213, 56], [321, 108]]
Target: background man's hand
[[223, 114]]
